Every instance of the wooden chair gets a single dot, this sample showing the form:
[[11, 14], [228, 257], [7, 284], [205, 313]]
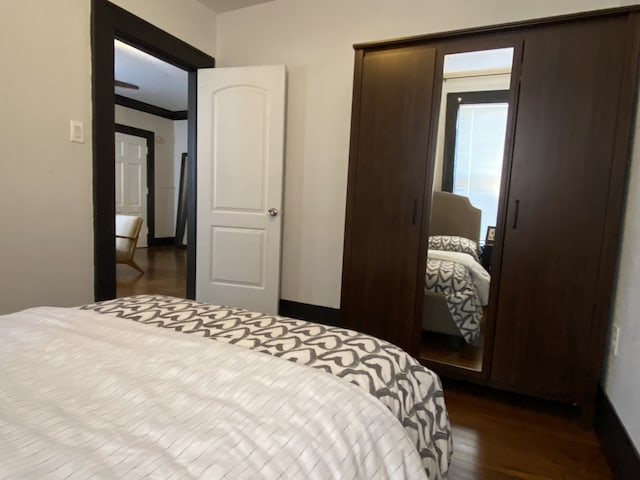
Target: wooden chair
[[127, 233]]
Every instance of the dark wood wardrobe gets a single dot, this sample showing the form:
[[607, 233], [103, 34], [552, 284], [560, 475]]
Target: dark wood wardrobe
[[572, 102]]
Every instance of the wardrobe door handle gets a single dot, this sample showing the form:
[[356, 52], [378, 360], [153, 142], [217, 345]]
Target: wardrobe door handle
[[515, 216]]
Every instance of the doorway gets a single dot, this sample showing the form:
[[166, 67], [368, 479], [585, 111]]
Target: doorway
[[151, 136], [109, 23], [134, 164]]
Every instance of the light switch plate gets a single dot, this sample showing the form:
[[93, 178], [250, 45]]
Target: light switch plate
[[76, 130]]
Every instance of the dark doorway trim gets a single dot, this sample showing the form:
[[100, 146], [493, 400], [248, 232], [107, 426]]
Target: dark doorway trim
[[151, 109], [109, 22], [151, 184], [454, 100]]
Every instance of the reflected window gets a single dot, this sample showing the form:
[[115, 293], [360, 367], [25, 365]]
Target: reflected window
[[475, 129]]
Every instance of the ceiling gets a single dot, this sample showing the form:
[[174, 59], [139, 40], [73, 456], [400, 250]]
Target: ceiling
[[498, 59], [161, 84], [220, 6]]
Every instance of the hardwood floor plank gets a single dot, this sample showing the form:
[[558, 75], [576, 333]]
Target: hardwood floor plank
[[495, 440], [438, 347], [165, 273]]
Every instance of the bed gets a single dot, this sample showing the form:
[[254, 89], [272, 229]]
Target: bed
[[456, 284], [160, 387]]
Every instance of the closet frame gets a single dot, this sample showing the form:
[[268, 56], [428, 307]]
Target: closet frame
[[485, 41], [498, 36]]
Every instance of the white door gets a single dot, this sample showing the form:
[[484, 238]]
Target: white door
[[240, 169], [131, 179]]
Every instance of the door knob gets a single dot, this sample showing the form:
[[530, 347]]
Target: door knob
[[272, 212]]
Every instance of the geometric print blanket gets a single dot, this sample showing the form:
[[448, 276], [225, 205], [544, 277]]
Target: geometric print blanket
[[410, 391], [453, 281]]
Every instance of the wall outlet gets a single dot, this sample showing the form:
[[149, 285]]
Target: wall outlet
[[615, 339]]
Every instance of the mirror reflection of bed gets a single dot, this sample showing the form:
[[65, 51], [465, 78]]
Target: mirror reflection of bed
[[457, 285], [467, 178]]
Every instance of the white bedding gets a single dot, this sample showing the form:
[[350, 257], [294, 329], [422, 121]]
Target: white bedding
[[86, 395], [479, 275]]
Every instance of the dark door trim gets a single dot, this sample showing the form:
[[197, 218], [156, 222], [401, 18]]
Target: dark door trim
[[109, 22], [150, 137]]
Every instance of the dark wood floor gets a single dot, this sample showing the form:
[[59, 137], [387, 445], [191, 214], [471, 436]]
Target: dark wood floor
[[438, 347], [495, 437], [499, 439], [165, 273]]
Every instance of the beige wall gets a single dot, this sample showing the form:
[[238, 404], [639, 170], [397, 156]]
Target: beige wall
[[189, 20], [314, 39], [46, 254], [46, 219]]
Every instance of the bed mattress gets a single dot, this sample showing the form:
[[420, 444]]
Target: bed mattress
[[453, 270], [452, 280], [205, 408]]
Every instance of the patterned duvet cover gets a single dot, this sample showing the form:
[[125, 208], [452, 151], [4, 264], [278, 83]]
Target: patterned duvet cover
[[453, 271], [88, 395], [406, 388]]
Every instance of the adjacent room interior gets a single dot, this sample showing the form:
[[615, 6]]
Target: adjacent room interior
[[151, 112]]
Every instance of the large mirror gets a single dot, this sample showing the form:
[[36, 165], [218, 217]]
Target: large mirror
[[181, 215], [468, 169]]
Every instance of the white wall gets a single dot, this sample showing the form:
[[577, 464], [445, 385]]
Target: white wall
[[46, 220], [165, 180], [189, 20], [621, 380], [314, 39]]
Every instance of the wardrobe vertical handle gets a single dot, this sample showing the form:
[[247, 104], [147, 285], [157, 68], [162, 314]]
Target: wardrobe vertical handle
[[515, 216], [415, 212]]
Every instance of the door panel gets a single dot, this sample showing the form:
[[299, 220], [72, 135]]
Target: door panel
[[240, 169], [387, 170], [245, 266], [239, 114], [131, 179], [562, 156]]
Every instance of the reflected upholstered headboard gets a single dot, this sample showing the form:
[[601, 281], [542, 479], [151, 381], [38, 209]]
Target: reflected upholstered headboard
[[454, 215]]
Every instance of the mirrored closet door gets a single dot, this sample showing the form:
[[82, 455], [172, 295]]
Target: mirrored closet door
[[467, 178], [424, 133]]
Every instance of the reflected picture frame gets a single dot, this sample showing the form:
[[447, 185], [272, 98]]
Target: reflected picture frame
[[491, 235]]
